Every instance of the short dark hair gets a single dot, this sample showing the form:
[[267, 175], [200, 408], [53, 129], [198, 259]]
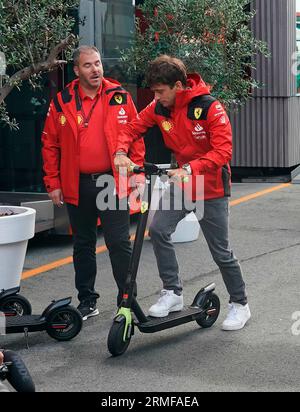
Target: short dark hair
[[166, 70], [83, 49]]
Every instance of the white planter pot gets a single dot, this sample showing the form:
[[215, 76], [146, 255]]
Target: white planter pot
[[15, 230], [187, 229]]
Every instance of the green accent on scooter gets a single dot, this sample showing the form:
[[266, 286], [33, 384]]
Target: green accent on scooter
[[126, 312]]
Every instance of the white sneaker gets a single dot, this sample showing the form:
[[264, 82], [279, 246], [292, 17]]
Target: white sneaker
[[237, 317], [168, 302]]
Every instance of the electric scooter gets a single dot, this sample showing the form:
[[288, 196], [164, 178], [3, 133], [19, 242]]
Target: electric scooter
[[14, 370], [204, 309], [60, 320]]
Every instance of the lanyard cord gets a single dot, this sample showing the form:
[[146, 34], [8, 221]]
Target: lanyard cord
[[87, 118]]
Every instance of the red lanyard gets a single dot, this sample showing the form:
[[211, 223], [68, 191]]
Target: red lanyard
[[87, 118]]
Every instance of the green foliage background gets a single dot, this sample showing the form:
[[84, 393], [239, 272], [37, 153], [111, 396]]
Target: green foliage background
[[212, 37]]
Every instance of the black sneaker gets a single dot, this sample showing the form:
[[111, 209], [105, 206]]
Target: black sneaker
[[87, 309]]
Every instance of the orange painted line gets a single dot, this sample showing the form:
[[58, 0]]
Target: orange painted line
[[46, 268], [62, 262], [66, 261], [258, 194]]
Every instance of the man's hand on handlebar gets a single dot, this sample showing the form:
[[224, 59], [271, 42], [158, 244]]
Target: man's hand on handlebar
[[123, 162], [178, 174]]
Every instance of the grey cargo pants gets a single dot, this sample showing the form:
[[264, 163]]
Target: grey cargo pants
[[215, 228]]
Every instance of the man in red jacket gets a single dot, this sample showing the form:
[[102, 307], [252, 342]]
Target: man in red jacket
[[79, 141], [196, 128]]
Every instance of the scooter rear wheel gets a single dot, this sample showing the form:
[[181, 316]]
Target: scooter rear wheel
[[211, 312], [64, 323], [115, 342], [15, 305]]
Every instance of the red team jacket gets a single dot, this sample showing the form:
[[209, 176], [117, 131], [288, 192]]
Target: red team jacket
[[197, 130], [60, 136]]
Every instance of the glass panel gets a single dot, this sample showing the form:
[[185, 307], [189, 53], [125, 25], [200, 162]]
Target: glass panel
[[114, 26], [86, 17]]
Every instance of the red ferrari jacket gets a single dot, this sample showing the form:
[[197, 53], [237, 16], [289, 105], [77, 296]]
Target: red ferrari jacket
[[197, 130], [60, 141]]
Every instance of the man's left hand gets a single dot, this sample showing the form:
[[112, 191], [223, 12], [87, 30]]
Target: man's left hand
[[178, 174]]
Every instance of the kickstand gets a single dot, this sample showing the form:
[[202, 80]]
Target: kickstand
[[26, 336]]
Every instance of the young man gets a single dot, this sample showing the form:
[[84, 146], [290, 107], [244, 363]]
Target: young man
[[79, 140], [196, 128]]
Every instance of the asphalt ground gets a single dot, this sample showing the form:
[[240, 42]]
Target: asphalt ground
[[265, 236]]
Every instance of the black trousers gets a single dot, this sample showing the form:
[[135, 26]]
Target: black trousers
[[115, 225]]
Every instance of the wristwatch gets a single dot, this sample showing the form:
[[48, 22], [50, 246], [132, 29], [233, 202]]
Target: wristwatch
[[187, 167], [120, 154]]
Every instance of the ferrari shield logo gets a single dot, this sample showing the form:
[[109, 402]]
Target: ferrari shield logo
[[118, 98], [62, 120], [167, 126], [144, 207], [197, 112]]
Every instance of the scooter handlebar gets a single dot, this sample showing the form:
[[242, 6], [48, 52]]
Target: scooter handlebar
[[153, 169], [149, 169]]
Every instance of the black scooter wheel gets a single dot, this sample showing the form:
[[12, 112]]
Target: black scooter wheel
[[18, 375], [15, 305], [211, 312], [64, 323], [115, 341]]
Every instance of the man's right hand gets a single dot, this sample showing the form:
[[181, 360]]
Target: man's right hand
[[56, 197], [123, 162]]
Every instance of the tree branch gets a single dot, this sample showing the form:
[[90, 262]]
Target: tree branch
[[60, 47], [50, 64]]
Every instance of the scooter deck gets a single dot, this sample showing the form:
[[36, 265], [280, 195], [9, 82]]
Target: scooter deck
[[16, 324], [187, 314]]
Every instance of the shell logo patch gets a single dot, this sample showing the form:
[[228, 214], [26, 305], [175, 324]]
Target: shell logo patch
[[62, 120], [197, 112], [167, 126], [118, 98], [144, 207], [79, 119]]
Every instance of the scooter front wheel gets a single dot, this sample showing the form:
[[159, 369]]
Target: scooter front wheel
[[64, 323], [15, 305], [211, 311], [115, 341], [17, 373]]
